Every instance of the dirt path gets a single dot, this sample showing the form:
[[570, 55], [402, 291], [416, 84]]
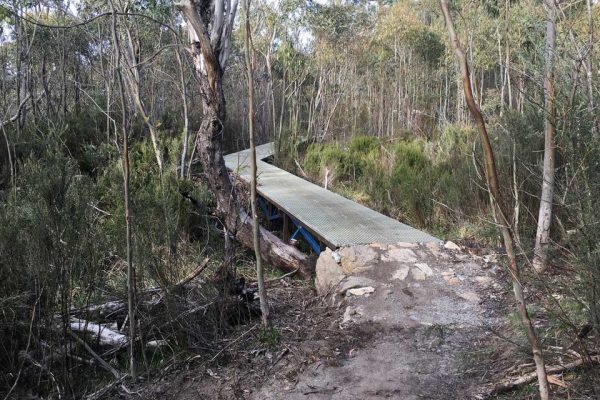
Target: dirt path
[[390, 322], [422, 308]]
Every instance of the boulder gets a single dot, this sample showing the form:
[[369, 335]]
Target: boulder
[[406, 245], [328, 273], [395, 254], [363, 291], [353, 282], [425, 268], [417, 274], [451, 246], [401, 273], [356, 259]]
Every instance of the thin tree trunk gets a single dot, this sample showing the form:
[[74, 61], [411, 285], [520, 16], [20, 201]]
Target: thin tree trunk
[[507, 39], [20, 109], [132, 79], [542, 237], [281, 111], [185, 134], [497, 207], [502, 73], [130, 269], [590, 71], [270, 86], [262, 292]]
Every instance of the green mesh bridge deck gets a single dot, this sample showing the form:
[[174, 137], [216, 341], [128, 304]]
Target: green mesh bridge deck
[[333, 219]]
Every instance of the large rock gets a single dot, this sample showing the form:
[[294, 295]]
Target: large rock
[[417, 274], [451, 246], [395, 254], [353, 282], [425, 268], [407, 245], [362, 291], [328, 273], [401, 273], [356, 259]]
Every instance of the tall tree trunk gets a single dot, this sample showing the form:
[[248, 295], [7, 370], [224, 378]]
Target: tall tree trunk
[[270, 85], [542, 237], [210, 55], [262, 292], [497, 207], [130, 269]]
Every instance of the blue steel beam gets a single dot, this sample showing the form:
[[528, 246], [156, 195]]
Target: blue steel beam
[[310, 239], [271, 216]]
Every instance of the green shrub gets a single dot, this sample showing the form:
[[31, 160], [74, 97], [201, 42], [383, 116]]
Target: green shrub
[[52, 254], [363, 145], [348, 165], [423, 183], [410, 181], [161, 215], [62, 240], [454, 183], [321, 156]]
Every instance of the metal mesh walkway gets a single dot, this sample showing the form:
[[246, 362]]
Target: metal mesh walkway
[[334, 219]]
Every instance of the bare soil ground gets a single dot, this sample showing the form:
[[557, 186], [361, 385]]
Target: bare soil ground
[[410, 338], [426, 305], [434, 326]]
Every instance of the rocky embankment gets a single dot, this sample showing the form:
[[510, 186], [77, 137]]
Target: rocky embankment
[[422, 306]]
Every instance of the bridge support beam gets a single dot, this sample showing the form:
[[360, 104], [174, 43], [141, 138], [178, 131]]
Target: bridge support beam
[[271, 213]]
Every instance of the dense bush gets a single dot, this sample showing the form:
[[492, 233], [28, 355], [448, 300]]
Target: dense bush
[[162, 217], [52, 254], [410, 180], [424, 183], [62, 243]]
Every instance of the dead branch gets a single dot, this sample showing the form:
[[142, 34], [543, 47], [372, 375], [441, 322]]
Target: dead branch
[[233, 342], [101, 361], [98, 394], [115, 306], [528, 378], [281, 277], [304, 175], [197, 271]]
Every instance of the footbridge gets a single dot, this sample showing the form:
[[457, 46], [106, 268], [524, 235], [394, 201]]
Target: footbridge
[[318, 215]]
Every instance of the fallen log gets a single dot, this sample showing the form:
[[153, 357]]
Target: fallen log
[[528, 378], [104, 310], [274, 251], [104, 335]]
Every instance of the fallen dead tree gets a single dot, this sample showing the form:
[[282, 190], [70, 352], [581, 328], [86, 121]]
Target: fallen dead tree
[[100, 333], [183, 307], [113, 309], [194, 313]]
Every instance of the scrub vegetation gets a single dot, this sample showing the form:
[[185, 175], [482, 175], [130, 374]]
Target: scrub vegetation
[[115, 207]]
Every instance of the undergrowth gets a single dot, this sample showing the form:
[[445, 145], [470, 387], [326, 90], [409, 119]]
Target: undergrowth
[[426, 184]]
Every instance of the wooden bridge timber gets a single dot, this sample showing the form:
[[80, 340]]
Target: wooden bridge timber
[[317, 212]]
